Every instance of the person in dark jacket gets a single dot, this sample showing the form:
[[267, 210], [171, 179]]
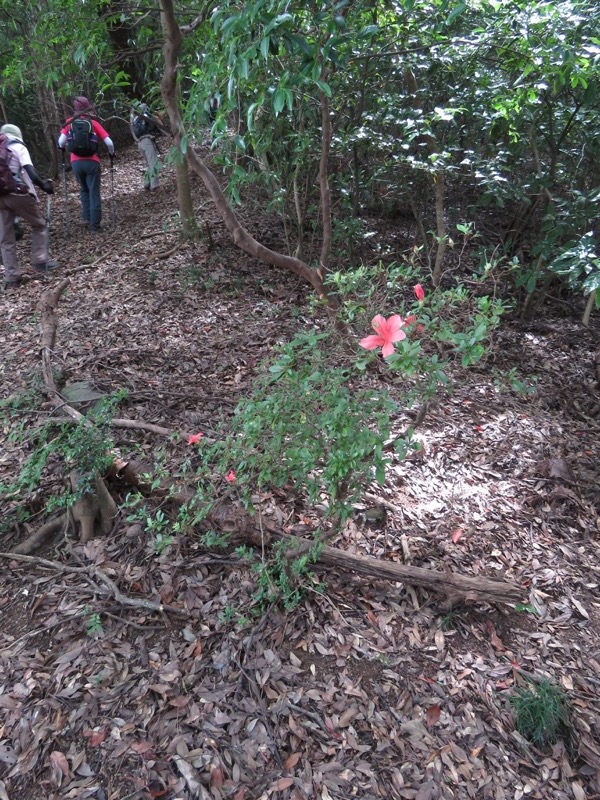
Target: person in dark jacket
[[26, 207], [87, 168], [145, 127]]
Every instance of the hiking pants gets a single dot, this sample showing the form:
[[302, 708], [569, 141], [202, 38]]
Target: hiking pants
[[27, 207], [147, 147], [87, 172]]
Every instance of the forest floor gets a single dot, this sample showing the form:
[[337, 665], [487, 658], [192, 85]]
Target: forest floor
[[366, 689]]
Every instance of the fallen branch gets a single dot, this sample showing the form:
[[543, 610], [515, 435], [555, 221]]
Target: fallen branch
[[133, 424], [458, 588], [231, 518]]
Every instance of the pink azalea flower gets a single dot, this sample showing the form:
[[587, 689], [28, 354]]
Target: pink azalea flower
[[388, 331], [230, 477], [419, 293], [195, 438]]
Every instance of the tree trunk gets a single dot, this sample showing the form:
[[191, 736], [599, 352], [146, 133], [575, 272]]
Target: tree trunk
[[241, 237], [121, 36], [439, 184], [50, 123], [440, 226], [169, 90], [324, 183]]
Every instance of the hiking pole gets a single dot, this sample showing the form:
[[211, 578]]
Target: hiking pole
[[112, 193], [66, 214]]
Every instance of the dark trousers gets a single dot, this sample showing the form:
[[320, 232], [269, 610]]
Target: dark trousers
[[87, 172]]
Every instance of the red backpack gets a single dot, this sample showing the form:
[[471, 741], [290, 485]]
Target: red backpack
[[9, 182]]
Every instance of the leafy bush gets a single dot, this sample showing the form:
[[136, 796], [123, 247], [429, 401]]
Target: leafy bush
[[85, 445]]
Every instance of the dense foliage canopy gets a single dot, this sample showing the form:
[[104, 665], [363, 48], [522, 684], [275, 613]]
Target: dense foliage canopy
[[479, 114]]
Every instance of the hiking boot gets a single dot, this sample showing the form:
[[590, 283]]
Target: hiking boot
[[8, 286], [95, 228], [45, 266]]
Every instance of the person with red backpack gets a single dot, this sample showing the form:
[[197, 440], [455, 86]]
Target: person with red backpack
[[18, 199], [80, 135]]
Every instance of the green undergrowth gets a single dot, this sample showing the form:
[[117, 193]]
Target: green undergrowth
[[542, 714], [318, 426]]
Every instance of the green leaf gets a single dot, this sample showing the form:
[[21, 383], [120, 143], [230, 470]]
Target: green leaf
[[301, 43], [456, 12], [324, 87], [264, 47], [278, 101], [279, 20]]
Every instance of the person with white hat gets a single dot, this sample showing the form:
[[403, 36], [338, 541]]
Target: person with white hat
[[25, 205]]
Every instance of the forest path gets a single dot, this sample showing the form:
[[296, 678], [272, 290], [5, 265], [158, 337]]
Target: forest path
[[364, 690]]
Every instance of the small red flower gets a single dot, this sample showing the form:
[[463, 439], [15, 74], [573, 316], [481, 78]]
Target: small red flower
[[419, 293], [412, 320], [195, 438], [230, 477]]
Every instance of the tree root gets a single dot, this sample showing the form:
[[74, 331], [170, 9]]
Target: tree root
[[95, 512], [91, 572], [39, 537]]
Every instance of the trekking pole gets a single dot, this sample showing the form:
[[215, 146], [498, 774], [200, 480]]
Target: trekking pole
[[112, 193], [66, 214]]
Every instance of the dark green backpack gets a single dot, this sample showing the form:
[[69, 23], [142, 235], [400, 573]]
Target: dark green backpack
[[81, 139]]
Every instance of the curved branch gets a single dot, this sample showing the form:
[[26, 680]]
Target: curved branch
[[244, 240]]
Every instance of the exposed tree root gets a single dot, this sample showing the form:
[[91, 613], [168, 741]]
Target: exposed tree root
[[91, 572], [95, 512], [39, 537]]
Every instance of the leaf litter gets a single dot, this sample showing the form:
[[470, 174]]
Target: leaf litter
[[366, 689]]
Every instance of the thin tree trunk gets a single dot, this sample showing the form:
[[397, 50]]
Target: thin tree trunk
[[241, 237], [324, 184], [169, 91], [439, 181], [440, 225], [588, 308]]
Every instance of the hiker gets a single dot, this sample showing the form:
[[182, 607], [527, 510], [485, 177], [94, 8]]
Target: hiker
[[145, 128], [213, 107], [81, 134], [20, 200]]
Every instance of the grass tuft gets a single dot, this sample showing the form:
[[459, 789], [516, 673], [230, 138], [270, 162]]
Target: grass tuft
[[542, 714]]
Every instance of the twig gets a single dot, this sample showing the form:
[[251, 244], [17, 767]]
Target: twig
[[82, 267], [136, 625], [380, 501], [169, 252]]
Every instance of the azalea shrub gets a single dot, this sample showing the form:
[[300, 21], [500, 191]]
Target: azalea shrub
[[425, 330], [307, 428]]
